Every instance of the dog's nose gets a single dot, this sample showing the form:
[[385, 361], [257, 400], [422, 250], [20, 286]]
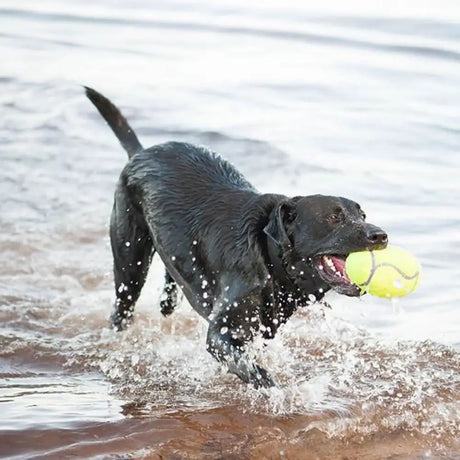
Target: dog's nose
[[376, 237]]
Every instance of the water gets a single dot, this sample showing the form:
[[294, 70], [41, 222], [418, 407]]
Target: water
[[350, 99]]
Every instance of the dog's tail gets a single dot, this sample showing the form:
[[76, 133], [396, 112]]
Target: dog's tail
[[116, 121]]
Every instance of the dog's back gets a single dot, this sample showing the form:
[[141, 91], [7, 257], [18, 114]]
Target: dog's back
[[184, 171]]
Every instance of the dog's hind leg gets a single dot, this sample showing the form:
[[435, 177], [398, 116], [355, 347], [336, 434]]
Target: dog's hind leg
[[132, 249], [169, 298]]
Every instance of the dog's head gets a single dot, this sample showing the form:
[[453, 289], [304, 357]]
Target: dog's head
[[316, 233]]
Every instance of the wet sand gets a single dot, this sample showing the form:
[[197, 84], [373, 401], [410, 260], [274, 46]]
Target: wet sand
[[219, 433]]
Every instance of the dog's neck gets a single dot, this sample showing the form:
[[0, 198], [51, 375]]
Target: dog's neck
[[277, 265], [294, 275]]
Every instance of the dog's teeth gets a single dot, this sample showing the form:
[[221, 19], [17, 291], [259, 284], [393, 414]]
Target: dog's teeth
[[330, 264]]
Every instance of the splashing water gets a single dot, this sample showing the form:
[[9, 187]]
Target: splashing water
[[354, 381]]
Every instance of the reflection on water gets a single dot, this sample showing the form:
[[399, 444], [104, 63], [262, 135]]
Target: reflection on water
[[356, 101]]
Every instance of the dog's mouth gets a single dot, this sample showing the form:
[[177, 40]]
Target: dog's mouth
[[331, 269]]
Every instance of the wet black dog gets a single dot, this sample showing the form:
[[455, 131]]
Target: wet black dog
[[244, 260]]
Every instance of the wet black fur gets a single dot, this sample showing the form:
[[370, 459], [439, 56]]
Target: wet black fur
[[242, 259]]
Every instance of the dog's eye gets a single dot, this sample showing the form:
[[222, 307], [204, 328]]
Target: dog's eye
[[334, 218]]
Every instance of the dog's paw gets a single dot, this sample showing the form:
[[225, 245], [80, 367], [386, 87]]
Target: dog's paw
[[260, 378], [118, 322], [167, 306], [252, 374]]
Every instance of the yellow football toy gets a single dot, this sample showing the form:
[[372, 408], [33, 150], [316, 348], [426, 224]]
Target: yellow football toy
[[389, 272]]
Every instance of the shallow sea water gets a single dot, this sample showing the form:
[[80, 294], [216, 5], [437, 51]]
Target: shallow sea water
[[357, 100]]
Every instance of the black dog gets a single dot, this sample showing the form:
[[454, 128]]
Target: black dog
[[244, 260]]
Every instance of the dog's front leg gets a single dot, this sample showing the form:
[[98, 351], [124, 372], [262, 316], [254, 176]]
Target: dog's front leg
[[228, 334]]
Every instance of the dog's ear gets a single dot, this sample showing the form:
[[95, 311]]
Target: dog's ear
[[279, 220]]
